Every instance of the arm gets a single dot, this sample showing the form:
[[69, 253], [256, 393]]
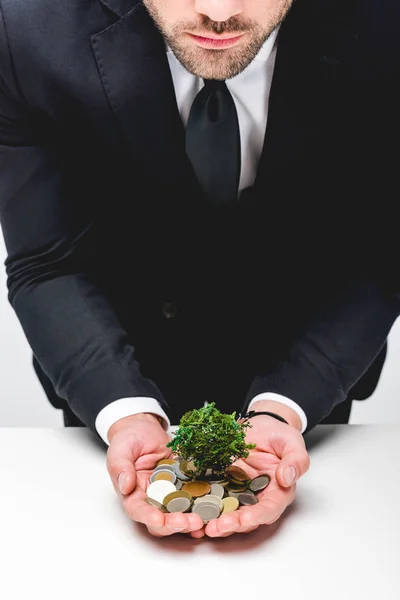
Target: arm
[[333, 352], [340, 343], [51, 264]]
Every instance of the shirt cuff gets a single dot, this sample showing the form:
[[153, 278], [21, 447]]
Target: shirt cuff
[[283, 400], [125, 407]]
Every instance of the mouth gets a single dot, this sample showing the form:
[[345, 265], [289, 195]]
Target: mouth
[[216, 42]]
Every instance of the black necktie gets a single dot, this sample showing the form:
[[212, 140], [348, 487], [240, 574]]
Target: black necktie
[[213, 142]]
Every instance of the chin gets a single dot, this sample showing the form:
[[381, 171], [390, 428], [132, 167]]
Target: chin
[[207, 64]]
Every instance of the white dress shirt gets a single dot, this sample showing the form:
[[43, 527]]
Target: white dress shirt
[[250, 91]]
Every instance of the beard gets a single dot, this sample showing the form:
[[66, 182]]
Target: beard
[[215, 63]]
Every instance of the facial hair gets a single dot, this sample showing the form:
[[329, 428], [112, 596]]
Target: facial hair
[[211, 63]]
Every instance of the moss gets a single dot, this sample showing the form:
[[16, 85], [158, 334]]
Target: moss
[[211, 439]]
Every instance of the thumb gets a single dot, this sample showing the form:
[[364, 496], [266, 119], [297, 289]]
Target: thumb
[[121, 457], [293, 465]]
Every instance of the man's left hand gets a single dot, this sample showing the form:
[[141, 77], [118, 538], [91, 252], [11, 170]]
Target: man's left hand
[[281, 453]]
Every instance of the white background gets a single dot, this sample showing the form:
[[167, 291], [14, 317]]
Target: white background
[[24, 404]]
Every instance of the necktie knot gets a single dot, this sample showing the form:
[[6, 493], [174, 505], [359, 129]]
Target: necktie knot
[[214, 84], [213, 98]]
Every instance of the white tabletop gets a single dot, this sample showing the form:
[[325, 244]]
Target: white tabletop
[[63, 533]]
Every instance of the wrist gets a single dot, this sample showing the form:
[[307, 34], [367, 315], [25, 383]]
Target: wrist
[[280, 409], [132, 420]]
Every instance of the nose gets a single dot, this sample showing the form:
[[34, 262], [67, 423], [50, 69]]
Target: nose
[[219, 10]]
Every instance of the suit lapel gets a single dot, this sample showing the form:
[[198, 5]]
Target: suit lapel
[[135, 73], [306, 94]]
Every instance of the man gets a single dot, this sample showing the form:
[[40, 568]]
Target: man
[[194, 196]]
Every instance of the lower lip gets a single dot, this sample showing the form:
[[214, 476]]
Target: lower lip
[[212, 43]]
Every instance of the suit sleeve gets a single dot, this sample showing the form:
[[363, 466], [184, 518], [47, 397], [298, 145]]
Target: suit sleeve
[[338, 345], [68, 321], [333, 351]]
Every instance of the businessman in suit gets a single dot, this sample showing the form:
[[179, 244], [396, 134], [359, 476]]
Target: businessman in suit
[[195, 198]]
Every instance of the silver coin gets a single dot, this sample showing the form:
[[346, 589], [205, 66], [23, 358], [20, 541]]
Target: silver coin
[[206, 510], [247, 499], [210, 498], [156, 504], [207, 503], [217, 490], [234, 494], [179, 505], [216, 499], [157, 490], [178, 484], [155, 473], [179, 473], [259, 483]]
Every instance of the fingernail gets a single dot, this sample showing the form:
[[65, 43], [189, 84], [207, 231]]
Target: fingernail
[[289, 475], [122, 481], [177, 529]]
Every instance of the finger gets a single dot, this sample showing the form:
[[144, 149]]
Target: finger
[[295, 460], [292, 467], [138, 510], [269, 508], [260, 514], [183, 522], [164, 531], [198, 534], [226, 523], [176, 525], [239, 530], [167, 531], [121, 456]]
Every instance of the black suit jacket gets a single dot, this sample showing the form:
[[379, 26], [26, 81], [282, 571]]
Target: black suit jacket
[[292, 290]]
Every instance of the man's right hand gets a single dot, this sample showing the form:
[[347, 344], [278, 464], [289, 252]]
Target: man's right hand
[[137, 443]]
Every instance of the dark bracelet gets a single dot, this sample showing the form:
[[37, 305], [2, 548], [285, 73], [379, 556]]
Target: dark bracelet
[[254, 413]]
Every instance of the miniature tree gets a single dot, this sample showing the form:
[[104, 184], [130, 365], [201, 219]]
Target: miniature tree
[[211, 439]]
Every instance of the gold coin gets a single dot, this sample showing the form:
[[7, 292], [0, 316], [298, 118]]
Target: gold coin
[[197, 488], [164, 476], [229, 504], [166, 461], [187, 467], [173, 495], [237, 474]]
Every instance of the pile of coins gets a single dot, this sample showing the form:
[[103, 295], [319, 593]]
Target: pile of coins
[[175, 488]]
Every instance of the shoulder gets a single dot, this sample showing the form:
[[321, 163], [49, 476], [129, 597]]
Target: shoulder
[[36, 23], [39, 38], [362, 15], [360, 30]]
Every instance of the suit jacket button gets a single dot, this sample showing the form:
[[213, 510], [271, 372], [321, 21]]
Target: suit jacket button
[[169, 310]]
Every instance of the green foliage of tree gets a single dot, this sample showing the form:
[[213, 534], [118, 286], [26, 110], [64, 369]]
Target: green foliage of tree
[[211, 439]]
